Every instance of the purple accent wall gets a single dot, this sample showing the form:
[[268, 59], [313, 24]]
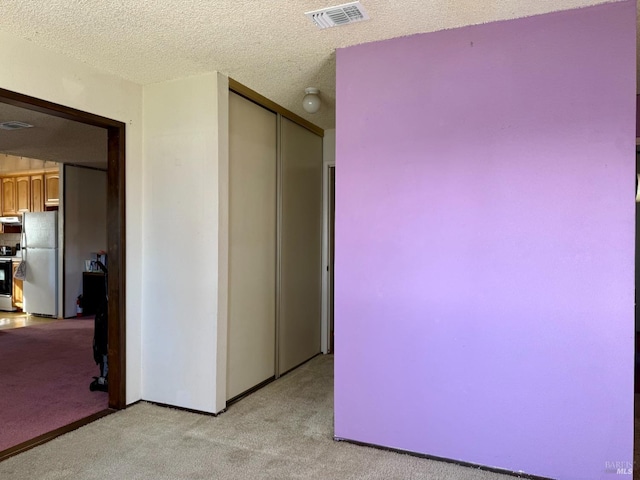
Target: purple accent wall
[[484, 286]]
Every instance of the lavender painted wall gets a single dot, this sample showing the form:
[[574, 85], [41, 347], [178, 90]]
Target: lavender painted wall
[[484, 297]]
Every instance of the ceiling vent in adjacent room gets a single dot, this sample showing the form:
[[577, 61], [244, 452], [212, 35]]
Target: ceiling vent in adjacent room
[[338, 15], [13, 125]]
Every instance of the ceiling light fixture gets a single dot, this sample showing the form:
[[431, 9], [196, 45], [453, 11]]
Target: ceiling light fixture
[[311, 101]]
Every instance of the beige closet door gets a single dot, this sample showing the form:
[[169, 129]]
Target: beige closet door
[[252, 245], [301, 246]]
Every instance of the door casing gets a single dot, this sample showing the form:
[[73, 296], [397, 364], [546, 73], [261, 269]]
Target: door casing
[[115, 225]]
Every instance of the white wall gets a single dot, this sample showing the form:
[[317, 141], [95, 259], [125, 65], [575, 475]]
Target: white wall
[[41, 73], [180, 291], [223, 242], [181, 308], [85, 227]]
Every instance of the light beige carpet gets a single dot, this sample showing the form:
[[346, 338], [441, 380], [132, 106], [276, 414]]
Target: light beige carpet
[[280, 432]]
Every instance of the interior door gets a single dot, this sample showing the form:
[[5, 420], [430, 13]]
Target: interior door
[[299, 322], [332, 250], [252, 245]]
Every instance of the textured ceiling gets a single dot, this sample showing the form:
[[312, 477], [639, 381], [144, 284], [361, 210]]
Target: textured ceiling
[[51, 138], [270, 46]]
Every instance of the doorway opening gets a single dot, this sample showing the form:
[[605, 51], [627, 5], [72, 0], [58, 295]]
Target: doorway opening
[[332, 242], [115, 213]]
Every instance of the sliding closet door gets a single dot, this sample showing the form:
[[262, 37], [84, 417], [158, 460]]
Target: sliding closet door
[[300, 247], [252, 245]]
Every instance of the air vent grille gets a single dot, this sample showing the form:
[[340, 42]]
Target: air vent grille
[[339, 15], [13, 125]]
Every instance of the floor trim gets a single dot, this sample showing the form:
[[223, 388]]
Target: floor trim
[[301, 364], [264, 383], [174, 407], [45, 437], [253, 389], [475, 466]]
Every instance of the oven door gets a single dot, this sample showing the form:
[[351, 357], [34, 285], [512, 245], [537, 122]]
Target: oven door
[[6, 273]]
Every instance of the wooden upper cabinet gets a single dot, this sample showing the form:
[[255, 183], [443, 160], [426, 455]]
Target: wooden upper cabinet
[[23, 194], [30, 193], [37, 193], [52, 189], [9, 196]]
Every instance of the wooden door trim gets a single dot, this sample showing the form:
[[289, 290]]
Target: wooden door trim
[[263, 101], [115, 227], [45, 437]]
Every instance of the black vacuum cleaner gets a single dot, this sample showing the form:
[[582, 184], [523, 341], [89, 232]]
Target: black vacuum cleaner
[[100, 339]]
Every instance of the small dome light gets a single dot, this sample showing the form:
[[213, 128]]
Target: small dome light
[[311, 100]]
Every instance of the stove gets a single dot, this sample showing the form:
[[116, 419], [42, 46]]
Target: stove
[[6, 285]]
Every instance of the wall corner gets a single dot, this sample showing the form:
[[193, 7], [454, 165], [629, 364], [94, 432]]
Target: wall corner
[[223, 242]]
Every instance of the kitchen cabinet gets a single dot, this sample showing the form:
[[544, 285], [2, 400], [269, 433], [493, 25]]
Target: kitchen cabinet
[[9, 196], [52, 189], [37, 193], [18, 301], [23, 194], [28, 191]]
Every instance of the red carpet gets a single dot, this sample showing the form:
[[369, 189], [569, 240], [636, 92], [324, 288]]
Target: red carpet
[[45, 371]]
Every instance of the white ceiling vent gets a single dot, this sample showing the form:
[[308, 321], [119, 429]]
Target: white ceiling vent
[[338, 15], [13, 125]]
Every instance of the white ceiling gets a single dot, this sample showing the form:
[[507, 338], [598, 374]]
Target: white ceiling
[[51, 138], [270, 46]]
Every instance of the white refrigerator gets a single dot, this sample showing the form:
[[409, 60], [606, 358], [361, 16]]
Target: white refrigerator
[[40, 244]]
